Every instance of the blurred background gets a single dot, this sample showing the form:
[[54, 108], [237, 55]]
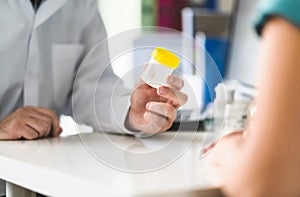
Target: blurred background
[[119, 15], [223, 27]]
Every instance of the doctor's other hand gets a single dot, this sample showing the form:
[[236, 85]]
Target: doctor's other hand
[[154, 110], [30, 123]]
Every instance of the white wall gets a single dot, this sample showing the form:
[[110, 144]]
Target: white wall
[[120, 15], [245, 47]]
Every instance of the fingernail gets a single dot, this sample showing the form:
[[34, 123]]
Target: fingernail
[[171, 79], [163, 90]]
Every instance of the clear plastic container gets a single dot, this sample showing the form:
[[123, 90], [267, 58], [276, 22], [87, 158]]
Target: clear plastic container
[[160, 66]]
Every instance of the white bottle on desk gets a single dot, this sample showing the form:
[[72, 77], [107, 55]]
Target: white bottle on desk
[[224, 96]]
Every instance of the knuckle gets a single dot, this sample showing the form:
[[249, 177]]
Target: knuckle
[[48, 120], [14, 121], [173, 114], [149, 93], [21, 110], [176, 94], [139, 97], [166, 110], [161, 121], [45, 126], [17, 122], [45, 129], [48, 127], [156, 128], [28, 108], [169, 108], [24, 110]]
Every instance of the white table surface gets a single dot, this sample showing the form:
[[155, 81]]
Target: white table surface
[[86, 165]]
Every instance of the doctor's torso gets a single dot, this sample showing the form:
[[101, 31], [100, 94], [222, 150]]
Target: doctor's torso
[[40, 52]]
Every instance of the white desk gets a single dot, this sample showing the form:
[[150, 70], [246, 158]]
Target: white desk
[[65, 166]]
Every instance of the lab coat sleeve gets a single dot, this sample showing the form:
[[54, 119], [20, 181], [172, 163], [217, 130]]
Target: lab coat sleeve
[[99, 98]]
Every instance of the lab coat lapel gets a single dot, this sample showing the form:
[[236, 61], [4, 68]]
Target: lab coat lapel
[[20, 7], [47, 9]]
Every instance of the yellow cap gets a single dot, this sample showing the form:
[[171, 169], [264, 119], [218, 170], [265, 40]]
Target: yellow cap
[[165, 57]]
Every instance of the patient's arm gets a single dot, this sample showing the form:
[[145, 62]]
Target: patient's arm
[[267, 160]]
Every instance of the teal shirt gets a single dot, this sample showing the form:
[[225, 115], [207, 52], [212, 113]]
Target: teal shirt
[[287, 9]]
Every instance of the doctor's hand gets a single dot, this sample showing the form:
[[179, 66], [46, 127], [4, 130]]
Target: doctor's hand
[[30, 123], [154, 110]]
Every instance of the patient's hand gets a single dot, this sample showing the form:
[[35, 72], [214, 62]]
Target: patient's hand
[[224, 156], [30, 123], [154, 110]]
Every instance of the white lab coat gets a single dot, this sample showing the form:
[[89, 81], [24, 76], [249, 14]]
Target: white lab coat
[[40, 54]]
